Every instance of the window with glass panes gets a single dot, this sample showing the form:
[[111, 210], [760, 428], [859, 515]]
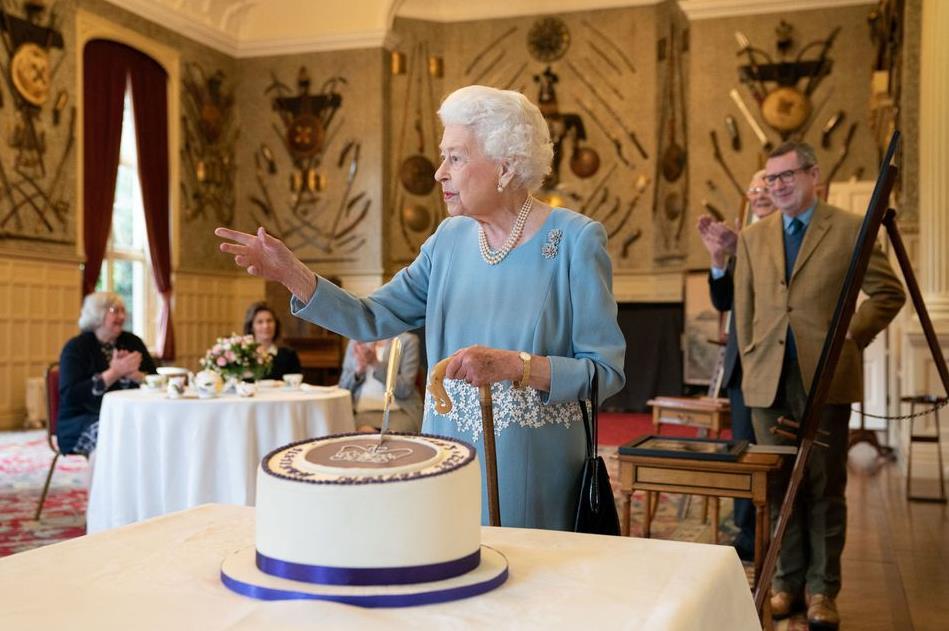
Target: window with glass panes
[[126, 269]]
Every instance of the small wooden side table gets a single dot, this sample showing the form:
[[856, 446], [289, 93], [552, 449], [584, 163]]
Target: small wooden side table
[[745, 478], [711, 414]]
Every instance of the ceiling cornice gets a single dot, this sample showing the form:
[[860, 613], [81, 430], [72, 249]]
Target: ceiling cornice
[[348, 41], [216, 23], [219, 24], [712, 9], [447, 11], [200, 28]]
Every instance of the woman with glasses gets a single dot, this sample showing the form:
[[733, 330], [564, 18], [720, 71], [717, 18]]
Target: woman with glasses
[[100, 359]]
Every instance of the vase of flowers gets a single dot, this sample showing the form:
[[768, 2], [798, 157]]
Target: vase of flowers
[[235, 358]]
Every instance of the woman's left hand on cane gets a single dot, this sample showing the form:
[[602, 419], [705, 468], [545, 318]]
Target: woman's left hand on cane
[[479, 365]]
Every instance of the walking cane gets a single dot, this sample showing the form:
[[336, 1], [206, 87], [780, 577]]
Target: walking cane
[[443, 405]]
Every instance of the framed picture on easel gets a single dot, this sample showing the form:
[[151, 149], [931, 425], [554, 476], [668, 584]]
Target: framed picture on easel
[[701, 346]]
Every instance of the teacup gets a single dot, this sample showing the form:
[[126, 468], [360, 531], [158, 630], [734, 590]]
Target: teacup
[[155, 382], [246, 389], [206, 390], [176, 386], [293, 380]]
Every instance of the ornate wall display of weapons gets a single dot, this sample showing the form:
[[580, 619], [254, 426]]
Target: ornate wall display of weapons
[[600, 75], [568, 126], [414, 186], [309, 218], [208, 153], [671, 181], [33, 201], [784, 106]]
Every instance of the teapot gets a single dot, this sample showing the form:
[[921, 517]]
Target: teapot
[[208, 384]]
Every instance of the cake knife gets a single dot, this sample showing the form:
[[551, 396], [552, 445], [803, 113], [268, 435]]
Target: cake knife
[[395, 353]]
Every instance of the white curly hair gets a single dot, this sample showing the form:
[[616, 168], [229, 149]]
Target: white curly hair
[[507, 126], [94, 308]]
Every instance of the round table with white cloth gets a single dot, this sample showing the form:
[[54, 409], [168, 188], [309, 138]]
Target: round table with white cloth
[[157, 455]]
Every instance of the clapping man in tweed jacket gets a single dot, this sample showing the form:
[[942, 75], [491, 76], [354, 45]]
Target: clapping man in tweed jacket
[[790, 271]]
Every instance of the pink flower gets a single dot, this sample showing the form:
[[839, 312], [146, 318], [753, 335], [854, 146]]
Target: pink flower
[[230, 356], [221, 361]]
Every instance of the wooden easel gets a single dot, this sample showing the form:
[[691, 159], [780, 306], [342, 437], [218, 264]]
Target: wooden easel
[[878, 214]]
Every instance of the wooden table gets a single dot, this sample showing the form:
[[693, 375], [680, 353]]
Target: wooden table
[[710, 414], [745, 478]]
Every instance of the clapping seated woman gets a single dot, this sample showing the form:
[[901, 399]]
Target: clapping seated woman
[[364, 374], [101, 359], [261, 322]]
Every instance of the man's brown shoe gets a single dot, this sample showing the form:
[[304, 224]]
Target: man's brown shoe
[[822, 613], [783, 604]]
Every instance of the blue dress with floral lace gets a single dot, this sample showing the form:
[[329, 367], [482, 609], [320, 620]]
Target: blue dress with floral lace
[[550, 296]]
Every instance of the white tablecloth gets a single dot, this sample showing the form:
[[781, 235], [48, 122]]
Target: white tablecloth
[[156, 455], [164, 574]]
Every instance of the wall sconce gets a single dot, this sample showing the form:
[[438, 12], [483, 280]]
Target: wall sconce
[[397, 62], [436, 66]]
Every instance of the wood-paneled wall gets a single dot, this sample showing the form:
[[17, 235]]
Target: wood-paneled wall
[[208, 306], [39, 307]]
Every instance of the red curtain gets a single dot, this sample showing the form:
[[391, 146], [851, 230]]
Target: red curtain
[[107, 67], [150, 104], [103, 83]]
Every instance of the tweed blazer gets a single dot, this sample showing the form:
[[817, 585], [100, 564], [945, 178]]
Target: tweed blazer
[[765, 305]]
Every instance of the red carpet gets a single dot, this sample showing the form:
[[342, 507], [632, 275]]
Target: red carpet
[[617, 428], [24, 461]]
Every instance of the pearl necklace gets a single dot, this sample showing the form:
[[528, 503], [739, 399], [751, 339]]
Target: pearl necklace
[[493, 257]]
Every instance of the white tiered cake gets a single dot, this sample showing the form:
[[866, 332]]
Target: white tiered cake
[[346, 518]]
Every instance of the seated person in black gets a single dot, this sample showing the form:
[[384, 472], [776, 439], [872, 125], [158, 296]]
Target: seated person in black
[[100, 359], [261, 322]]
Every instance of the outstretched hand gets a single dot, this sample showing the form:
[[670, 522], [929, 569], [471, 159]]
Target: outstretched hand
[[268, 257], [719, 239], [260, 254]]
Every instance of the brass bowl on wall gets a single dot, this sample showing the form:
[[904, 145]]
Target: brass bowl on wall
[[417, 217], [786, 109], [584, 162], [417, 175]]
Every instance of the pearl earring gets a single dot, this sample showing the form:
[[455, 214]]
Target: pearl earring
[[500, 188]]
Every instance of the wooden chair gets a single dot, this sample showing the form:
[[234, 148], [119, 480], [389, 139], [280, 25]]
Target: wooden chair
[[52, 414]]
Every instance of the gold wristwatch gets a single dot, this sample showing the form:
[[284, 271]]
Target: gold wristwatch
[[526, 358]]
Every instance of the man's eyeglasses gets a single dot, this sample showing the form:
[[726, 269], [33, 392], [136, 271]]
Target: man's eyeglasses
[[116, 309], [754, 191], [786, 177]]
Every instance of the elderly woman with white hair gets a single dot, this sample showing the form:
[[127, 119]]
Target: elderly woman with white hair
[[100, 359], [517, 293]]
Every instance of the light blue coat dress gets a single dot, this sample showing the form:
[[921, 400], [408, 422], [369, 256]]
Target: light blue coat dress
[[550, 296]]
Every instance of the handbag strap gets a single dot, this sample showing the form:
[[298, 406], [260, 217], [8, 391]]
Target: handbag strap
[[590, 421]]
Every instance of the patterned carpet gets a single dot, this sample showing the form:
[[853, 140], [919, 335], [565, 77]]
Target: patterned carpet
[[25, 458], [24, 462]]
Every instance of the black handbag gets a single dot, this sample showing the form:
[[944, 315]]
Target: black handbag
[[596, 508]]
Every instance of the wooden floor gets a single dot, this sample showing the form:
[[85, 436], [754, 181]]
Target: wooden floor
[[896, 560]]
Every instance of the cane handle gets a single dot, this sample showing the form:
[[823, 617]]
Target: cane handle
[[436, 386]]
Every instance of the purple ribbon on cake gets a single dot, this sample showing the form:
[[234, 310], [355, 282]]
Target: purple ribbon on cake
[[368, 600], [329, 575]]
